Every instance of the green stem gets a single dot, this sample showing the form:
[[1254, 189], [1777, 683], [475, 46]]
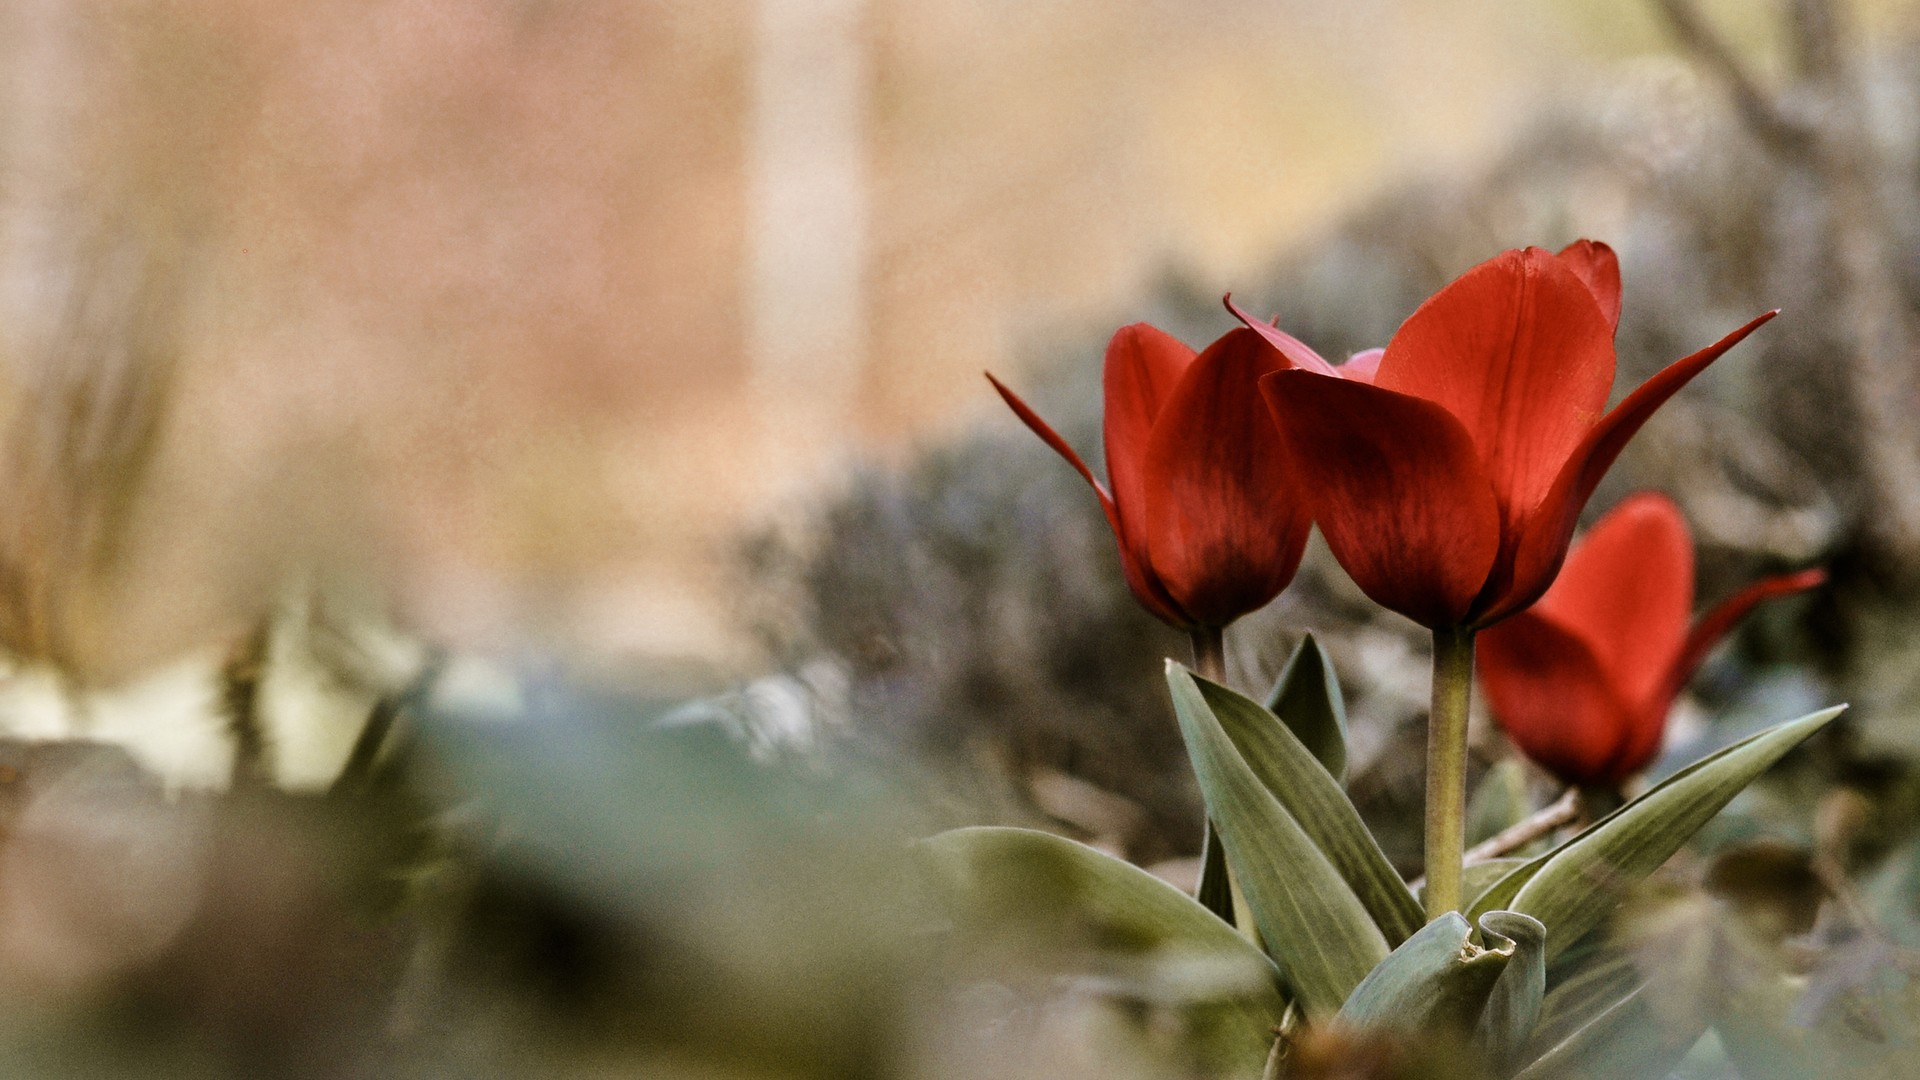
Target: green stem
[[1447, 768], [1210, 653]]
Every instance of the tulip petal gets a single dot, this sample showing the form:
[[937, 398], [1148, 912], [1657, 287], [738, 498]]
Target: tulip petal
[[1628, 586], [1052, 438], [1546, 690], [1362, 366], [1224, 530], [1144, 364], [1595, 264], [1542, 542], [1396, 488], [1297, 352], [1518, 351], [1727, 614], [1138, 574]]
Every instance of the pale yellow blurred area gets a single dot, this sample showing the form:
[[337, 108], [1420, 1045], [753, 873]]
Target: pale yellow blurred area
[[518, 311]]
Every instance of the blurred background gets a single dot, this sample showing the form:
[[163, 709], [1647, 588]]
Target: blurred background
[[526, 309], [507, 539]]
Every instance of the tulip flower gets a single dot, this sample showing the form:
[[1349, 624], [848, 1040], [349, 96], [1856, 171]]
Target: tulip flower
[[1448, 479], [1448, 484], [1582, 681], [1205, 518]]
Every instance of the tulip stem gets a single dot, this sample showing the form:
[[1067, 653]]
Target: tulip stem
[[1210, 653], [1447, 768]]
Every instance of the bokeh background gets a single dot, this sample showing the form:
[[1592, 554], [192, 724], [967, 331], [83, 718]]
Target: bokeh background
[[506, 541], [527, 309]]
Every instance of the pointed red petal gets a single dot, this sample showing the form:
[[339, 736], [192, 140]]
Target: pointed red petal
[[1362, 366], [1595, 263], [1546, 690], [1517, 351], [1628, 587], [1052, 438], [1297, 352], [1139, 576], [1724, 616], [1224, 529], [1396, 488], [1542, 542]]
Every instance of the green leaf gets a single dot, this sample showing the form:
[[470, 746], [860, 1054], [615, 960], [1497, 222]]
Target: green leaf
[[1513, 1006], [1214, 891], [1314, 926], [1439, 980], [1307, 699], [1624, 1040], [1499, 801], [1313, 798], [1477, 878], [1046, 891], [1572, 888]]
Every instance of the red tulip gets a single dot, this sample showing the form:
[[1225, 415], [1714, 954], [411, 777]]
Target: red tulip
[[1583, 680], [1206, 520], [1449, 483]]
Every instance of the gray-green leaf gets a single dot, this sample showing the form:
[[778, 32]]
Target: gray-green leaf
[[1306, 697], [1314, 926], [1626, 1040], [1572, 888], [1499, 801], [1313, 798], [1513, 1006], [1019, 881], [1439, 980]]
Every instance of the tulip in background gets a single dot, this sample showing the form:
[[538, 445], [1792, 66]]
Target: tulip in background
[[1208, 526], [1449, 482], [1583, 680]]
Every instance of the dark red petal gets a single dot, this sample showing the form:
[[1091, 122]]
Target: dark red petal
[[1396, 488], [1138, 574], [1595, 263], [1224, 529], [1715, 624], [1143, 366], [1543, 537], [1627, 587], [1362, 366], [1646, 732], [1297, 352], [1517, 350], [1546, 690]]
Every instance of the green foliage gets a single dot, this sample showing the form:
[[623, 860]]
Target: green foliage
[[1328, 907], [1574, 886], [1307, 699], [1311, 797], [1499, 801], [1440, 980], [1057, 896], [1316, 928]]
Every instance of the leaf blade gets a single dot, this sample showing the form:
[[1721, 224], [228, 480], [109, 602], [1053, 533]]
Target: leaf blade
[[1314, 799], [1008, 877], [1571, 888], [1315, 928], [1515, 1001], [1307, 698]]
